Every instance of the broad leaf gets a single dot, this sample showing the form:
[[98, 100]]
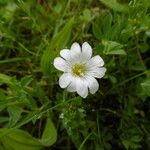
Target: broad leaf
[[49, 135], [113, 48], [16, 139]]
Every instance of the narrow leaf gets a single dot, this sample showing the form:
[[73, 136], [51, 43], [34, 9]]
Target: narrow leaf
[[146, 87], [57, 43], [113, 4]]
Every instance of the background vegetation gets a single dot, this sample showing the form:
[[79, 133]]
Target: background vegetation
[[35, 113]]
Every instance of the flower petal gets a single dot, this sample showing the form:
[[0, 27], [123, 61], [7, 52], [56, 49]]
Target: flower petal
[[64, 80], [86, 50], [95, 61], [82, 88], [60, 64], [65, 53], [76, 48], [72, 86], [97, 72], [75, 52], [92, 84]]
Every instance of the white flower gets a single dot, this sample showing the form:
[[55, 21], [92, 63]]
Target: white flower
[[80, 69]]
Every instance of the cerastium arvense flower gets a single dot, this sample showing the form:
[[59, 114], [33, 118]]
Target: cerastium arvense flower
[[80, 69]]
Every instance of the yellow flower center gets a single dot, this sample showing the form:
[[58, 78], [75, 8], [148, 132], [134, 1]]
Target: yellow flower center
[[78, 69]]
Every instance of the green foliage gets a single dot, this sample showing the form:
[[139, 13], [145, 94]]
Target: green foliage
[[70, 115], [59, 41], [146, 87], [49, 135], [131, 139], [113, 4], [35, 113], [112, 48], [18, 139]]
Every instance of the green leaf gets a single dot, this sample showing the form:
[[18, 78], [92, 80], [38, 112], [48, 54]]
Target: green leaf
[[136, 138], [113, 48], [130, 144], [126, 144], [9, 10], [57, 43], [16, 139], [4, 79], [87, 15], [10, 81], [49, 135], [114, 5], [96, 31], [107, 23], [103, 27], [26, 80], [18, 94], [14, 114], [146, 87]]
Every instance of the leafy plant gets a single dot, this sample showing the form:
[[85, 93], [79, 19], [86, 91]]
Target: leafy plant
[[35, 113]]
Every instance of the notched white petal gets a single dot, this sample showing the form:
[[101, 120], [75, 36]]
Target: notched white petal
[[65, 53], [75, 51], [96, 61], [76, 47], [86, 50], [60, 64], [72, 86], [92, 84], [82, 88], [98, 72], [64, 80]]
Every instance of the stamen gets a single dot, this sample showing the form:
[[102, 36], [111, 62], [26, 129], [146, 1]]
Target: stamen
[[78, 69]]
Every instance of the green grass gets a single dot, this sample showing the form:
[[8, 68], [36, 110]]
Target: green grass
[[35, 113]]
